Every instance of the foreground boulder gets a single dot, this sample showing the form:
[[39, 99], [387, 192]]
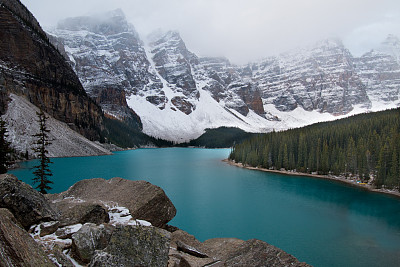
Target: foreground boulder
[[28, 205], [144, 200], [252, 252], [186, 250], [74, 212], [17, 247], [90, 238], [121, 245]]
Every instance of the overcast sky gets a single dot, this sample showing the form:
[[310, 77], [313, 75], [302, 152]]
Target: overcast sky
[[244, 30]]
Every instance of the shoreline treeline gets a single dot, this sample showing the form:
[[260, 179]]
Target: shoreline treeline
[[364, 146]]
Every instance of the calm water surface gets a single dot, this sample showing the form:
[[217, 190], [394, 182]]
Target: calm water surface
[[321, 222]]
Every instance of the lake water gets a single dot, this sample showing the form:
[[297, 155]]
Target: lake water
[[321, 222]]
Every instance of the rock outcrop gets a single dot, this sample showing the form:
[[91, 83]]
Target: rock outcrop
[[74, 212], [252, 252], [186, 250], [144, 200], [89, 238], [28, 205], [134, 246], [17, 247]]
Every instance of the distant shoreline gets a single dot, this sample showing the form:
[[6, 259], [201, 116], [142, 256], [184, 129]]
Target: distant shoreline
[[329, 177]]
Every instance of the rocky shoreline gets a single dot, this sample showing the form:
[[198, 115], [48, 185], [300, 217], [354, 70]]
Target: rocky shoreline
[[115, 222], [340, 179]]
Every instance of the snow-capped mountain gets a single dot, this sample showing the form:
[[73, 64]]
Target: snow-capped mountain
[[177, 94], [108, 57], [319, 78], [379, 71], [181, 105], [391, 46]]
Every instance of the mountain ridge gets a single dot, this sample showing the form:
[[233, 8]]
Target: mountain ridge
[[177, 94]]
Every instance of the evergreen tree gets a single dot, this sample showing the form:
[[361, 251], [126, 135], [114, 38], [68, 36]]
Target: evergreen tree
[[5, 148], [42, 171]]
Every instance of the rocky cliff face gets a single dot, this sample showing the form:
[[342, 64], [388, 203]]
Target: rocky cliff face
[[178, 94], [321, 78], [108, 56], [227, 86], [31, 66], [22, 124], [173, 63], [379, 71]]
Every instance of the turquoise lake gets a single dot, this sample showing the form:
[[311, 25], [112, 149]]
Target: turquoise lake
[[321, 222]]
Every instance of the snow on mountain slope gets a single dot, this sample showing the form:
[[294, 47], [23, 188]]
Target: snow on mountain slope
[[22, 123], [391, 46], [108, 57], [379, 70], [177, 94], [174, 125], [319, 78]]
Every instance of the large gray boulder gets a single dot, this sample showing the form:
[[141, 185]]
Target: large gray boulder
[[72, 212], [17, 247], [144, 200], [89, 238], [121, 245], [253, 252], [28, 205], [186, 250]]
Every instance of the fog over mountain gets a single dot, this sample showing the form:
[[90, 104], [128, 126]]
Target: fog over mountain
[[230, 27]]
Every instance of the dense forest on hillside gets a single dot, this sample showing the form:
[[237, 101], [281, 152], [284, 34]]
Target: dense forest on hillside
[[128, 136], [363, 146], [221, 137]]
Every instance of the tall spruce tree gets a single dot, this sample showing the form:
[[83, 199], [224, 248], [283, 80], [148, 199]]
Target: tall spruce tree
[[5, 148], [42, 170]]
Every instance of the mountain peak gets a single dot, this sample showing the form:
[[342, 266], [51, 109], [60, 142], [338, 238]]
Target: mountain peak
[[109, 23], [116, 13], [391, 46], [392, 39], [160, 35]]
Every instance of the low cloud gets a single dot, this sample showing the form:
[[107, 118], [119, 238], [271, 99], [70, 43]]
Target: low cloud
[[244, 30]]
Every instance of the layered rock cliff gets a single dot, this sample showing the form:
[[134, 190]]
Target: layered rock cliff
[[32, 67], [321, 78], [379, 71]]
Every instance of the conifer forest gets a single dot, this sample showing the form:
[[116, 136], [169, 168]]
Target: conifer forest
[[365, 147]]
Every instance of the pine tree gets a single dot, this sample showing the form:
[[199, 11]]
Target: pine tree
[[5, 148], [42, 171]]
